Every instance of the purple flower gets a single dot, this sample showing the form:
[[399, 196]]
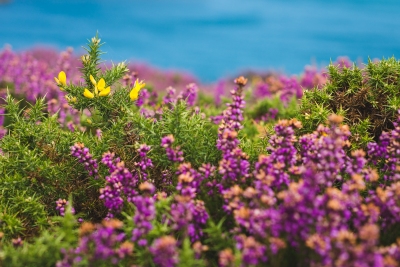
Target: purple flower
[[81, 152], [253, 252], [60, 206], [173, 154], [165, 252], [189, 94], [144, 214], [119, 183], [189, 216], [144, 163], [104, 243]]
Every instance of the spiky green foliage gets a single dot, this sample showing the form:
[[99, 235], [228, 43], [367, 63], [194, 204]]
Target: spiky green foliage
[[195, 135], [46, 249], [369, 98]]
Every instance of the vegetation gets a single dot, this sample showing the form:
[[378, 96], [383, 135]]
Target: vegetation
[[98, 169]]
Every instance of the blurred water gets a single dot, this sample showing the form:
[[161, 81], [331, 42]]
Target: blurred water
[[210, 38]]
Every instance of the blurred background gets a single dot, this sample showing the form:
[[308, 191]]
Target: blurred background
[[209, 38]]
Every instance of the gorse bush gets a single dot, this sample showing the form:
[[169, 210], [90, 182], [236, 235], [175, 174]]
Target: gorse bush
[[272, 178], [368, 98]]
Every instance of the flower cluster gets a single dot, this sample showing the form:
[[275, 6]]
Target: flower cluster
[[100, 88], [60, 206], [234, 166], [120, 182], [173, 154], [145, 162], [386, 152], [189, 94], [144, 214], [98, 244], [164, 251], [81, 152], [189, 214]]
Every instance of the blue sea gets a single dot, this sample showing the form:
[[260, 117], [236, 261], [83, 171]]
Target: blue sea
[[210, 38]]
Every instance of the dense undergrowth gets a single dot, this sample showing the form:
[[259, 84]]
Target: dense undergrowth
[[102, 170]]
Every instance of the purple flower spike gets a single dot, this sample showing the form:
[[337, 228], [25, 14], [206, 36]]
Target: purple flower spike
[[81, 152], [174, 155], [144, 214], [165, 252]]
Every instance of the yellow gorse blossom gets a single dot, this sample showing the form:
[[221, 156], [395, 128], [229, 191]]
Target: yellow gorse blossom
[[134, 94], [61, 80], [100, 88], [87, 93]]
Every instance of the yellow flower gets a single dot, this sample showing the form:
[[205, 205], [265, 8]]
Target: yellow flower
[[93, 80], [62, 79], [134, 94], [88, 94], [105, 92], [99, 88]]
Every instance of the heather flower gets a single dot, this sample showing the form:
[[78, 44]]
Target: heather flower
[[81, 152], [110, 161], [143, 98], [144, 214], [387, 153], [259, 222], [391, 254], [253, 252], [312, 78], [147, 113], [343, 62], [106, 244], [173, 154], [119, 183], [356, 163], [189, 180], [144, 163], [325, 151], [169, 97], [189, 216], [232, 197], [226, 258], [219, 92], [60, 206], [189, 94], [388, 201], [200, 217], [270, 115], [111, 195], [273, 169], [207, 170], [165, 252], [291, 88], [262, 90], [234, 166]]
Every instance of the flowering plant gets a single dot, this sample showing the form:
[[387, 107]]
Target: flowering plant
[[160, 182]]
